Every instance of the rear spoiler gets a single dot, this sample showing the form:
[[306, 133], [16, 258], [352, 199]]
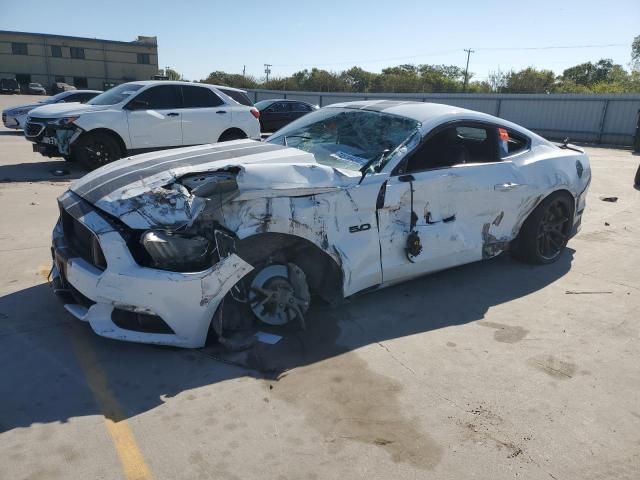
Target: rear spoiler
[[569, 146]]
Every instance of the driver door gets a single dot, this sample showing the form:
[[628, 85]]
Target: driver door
[[461, 196]]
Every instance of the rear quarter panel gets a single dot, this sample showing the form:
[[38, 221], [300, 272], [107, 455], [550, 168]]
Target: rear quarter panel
[[547, 169]]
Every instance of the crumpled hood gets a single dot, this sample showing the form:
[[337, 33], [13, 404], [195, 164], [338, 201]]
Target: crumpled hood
[[145, 191], [58, 110]]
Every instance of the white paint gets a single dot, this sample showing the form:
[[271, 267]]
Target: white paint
[[474, 210]]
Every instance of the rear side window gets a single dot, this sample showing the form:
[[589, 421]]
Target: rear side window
[[300, 107], [200, 97], [511, 143], [162, 97], [455, 145], [239, 97]]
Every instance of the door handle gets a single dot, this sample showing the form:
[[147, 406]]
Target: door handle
[[221, 111], [406, 178], [505, 187], [172, 114]]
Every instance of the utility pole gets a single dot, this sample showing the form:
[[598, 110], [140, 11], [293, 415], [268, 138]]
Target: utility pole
[[466, 70], [244, 68], [267, 70]]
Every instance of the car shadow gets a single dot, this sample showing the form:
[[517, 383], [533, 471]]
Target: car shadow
[[46, 171], [51, 361], [11, 133]]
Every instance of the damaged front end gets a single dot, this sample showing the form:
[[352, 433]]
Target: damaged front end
[[53, 137], [159, 285]]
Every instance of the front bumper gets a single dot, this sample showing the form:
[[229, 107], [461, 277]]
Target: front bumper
[[186, 302]]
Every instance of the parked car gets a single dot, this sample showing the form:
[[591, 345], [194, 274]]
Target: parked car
[[275, 114], [9, 86], [35, 89], [170, 247], [16, 117], [58, 87], [139, 117]]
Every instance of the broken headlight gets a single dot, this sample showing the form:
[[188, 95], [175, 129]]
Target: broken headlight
[[176, 252]]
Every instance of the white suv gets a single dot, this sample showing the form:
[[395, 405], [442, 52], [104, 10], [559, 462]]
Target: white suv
[[143, 116]]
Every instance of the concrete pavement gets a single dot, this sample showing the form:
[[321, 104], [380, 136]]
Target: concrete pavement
[[493, 370]]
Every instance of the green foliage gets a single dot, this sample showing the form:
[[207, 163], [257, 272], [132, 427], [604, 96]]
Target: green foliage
[[231, 80], [530, 80], [603, 76], [635, 53], [172, 74]]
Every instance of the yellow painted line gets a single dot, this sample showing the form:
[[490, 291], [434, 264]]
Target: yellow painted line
[[133, 463], [44, 270]]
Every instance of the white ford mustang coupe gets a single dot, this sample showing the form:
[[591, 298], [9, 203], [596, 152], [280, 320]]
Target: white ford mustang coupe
[[176, 246]]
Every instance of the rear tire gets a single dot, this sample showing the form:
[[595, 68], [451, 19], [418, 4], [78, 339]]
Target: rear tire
[[94, 150], [232, 135], [544, 235]]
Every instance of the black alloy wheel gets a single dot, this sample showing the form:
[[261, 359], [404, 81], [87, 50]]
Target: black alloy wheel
[[553, 230]]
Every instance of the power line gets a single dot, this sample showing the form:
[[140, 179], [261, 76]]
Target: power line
[[442, 52]]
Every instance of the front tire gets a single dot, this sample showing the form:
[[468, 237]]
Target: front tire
[[544, 235], [95, 150]]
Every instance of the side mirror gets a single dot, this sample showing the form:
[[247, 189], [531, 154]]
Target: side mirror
[[137, 104]]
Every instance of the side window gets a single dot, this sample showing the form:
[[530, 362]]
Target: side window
[[162, 97], [200, 97], [299, 107], [511, 143], [81, 97], [73, 97], [238, 96], [280, 107], [56, 51], [455, 145]]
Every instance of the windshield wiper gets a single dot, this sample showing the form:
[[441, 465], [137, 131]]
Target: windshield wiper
[[295, 136], [365, 168]]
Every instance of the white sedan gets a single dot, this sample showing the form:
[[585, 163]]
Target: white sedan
[[177, 246], [16, 116]]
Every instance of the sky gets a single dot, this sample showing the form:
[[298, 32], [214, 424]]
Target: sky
[[197, 37]]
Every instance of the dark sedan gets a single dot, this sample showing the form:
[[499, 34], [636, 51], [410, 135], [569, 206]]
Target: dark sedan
[[275, 114]]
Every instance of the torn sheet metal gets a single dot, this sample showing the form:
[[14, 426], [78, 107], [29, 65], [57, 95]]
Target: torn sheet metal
[[244, 189]]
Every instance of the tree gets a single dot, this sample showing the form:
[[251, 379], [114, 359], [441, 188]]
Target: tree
[[357, 79], [635, 53], [530, 80], [231, 80], [172, 74], [497, 81]]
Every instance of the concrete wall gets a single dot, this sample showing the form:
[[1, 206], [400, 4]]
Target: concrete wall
[[606, 119], [104, 60]]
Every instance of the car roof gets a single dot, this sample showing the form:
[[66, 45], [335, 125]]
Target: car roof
[[431, 114], [179, 82], [284, 100], [82, 91]]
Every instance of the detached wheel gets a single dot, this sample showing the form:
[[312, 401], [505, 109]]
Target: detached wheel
[[545, 234], [94, 150]]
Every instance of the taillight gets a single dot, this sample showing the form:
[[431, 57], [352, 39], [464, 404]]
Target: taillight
[[255, 112]]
